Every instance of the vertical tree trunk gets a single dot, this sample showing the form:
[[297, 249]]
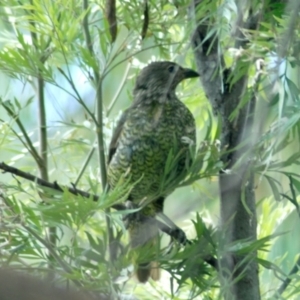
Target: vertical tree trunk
[[238, 273]]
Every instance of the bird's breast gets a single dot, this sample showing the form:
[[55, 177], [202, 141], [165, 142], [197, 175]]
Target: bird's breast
[[147, 138]]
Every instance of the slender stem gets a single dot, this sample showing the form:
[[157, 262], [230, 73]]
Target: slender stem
[[102, 161], [100, 133], [288, 280], [116, 96], [113, 102], [99, 125], [79, 99], [84, 165], [49, 247], [27, 143], [109, 68], [43, 136], [51, 250], [98, 83]]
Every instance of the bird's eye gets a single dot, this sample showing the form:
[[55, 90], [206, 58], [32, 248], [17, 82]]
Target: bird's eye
[[171, 69]]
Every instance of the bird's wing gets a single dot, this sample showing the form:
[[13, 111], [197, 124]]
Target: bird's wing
[[115, 138]]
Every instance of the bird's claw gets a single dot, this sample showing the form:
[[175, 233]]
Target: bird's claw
[[179, 235]]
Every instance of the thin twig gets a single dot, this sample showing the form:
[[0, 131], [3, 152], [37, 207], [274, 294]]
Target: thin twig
[[28, 144], [48, 246], [296, 267], [55, 186], [85, 164], [98, 82], [69, 77], [288, 280], [146, 20], [79, 99], [51, 250], [108, 70], [116, 96], [99, 125]]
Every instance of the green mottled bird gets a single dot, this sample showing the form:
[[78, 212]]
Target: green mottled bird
[[156, 123]]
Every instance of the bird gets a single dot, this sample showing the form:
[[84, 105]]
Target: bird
[[156, 124]]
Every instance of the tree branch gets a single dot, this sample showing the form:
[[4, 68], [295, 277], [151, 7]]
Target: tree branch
[[73, 190], [55, 186]]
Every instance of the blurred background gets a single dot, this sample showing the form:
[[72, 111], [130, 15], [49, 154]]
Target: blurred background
[[46, 39]]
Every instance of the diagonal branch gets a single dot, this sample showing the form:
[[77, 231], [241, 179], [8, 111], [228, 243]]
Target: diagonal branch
[[28, 144], [168, 228], [73, 190], [288, 280], [55, 186]]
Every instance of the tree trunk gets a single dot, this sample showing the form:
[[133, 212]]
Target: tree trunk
[[238, 273]]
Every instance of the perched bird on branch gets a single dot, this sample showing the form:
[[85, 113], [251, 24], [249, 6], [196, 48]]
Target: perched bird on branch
[[153, 134]]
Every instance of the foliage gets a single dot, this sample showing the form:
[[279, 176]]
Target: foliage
[[80, 84]]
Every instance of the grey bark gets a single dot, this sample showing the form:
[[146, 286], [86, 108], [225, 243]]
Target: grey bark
[[236, 182]]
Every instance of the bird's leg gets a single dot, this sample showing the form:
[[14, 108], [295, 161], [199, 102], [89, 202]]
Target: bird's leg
[[175, 232], [170, 227], [133, 217]]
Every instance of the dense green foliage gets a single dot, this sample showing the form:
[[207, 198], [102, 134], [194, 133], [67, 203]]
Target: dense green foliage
[[61, 71]]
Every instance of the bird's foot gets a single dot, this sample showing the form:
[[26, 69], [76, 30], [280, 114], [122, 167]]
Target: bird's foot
[[178, 235]]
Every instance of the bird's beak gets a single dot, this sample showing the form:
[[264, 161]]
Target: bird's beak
[[189, 73]]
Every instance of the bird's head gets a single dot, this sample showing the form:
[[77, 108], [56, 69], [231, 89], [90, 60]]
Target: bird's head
[[162, 77]]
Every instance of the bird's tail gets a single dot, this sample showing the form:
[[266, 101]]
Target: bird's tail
[[144, 241], [146, 270]]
